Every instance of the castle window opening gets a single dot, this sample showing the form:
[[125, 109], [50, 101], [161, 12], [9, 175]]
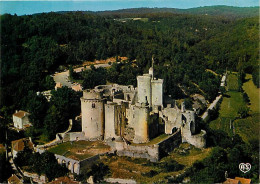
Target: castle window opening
[[93, 105]]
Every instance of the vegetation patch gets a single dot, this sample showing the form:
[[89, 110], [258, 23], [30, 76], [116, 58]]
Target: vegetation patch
[[80, 149], [156, 140], [228, 111], [232, 82], [233, 108], [144, 171]]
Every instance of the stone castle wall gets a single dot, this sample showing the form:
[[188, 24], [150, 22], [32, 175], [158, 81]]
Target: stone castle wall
[[151, 152]]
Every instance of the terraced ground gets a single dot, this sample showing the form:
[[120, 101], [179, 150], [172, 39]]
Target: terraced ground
[[79, 150], [144, 171]]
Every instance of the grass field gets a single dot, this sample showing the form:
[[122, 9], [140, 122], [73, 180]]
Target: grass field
[[79, 149], [247, 128], [232, 82], [133, 168], [228, 111], [253, 93]]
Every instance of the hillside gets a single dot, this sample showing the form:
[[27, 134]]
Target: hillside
[[224, 11]]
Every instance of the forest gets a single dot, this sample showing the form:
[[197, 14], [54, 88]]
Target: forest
[[185, 47]]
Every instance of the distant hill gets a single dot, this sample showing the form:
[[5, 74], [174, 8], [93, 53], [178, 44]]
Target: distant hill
[[225, 11]]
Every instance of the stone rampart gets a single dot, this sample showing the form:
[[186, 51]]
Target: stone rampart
[[152, 152], [72, 164], [197, 140], [35, 177], [168, 145]]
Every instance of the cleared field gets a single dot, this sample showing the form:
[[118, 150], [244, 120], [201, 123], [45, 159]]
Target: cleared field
[[253, 93], [80, 149], [139, 169], [228, 111], [247, 128], [232, 82]]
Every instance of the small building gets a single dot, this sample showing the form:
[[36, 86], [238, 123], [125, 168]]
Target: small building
[[21, 119], [77, 87], [20, 144], [14, 180]]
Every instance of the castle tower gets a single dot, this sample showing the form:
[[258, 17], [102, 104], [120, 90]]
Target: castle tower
[[141, 128], [111, 120], [144, 89], [92, 108], [157, 92]]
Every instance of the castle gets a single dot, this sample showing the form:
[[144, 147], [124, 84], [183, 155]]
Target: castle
[[137, 122], [136, 115]]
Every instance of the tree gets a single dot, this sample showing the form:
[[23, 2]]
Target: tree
[[246, 98], [243, 111], [5, 168], [37, 106], [94, 77], [98, 171], [64, 105], [48, 83]]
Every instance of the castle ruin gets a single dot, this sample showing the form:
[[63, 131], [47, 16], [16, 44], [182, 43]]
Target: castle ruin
[[118, 113]]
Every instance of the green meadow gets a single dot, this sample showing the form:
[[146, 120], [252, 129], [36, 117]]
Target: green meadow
[[247, 128]]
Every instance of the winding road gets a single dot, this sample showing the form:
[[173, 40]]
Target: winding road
[[63, 77]]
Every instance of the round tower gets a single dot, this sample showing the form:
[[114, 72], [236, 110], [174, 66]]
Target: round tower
[[92, 108], [141, 124]]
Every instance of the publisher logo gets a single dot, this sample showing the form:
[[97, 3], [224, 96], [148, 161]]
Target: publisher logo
[[244, 167]]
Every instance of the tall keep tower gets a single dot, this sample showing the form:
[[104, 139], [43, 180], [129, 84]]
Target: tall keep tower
[[150, 89], [144, 88], [92, 109]]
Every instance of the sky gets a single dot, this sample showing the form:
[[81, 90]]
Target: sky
[[31, 7]]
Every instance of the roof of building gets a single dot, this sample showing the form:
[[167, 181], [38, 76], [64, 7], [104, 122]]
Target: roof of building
[[77, 87], [14, 179], [243, 180], [58, 85], [63, 180], [231, 181], [237, 180], [20, 114], [19, 145]]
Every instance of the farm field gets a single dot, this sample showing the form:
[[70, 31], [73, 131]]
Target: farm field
[[247, 128]]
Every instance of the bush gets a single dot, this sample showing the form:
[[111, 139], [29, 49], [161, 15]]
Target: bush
[[213, 114], [171, 166], [243, 112], [246, 98], [151, 173]]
